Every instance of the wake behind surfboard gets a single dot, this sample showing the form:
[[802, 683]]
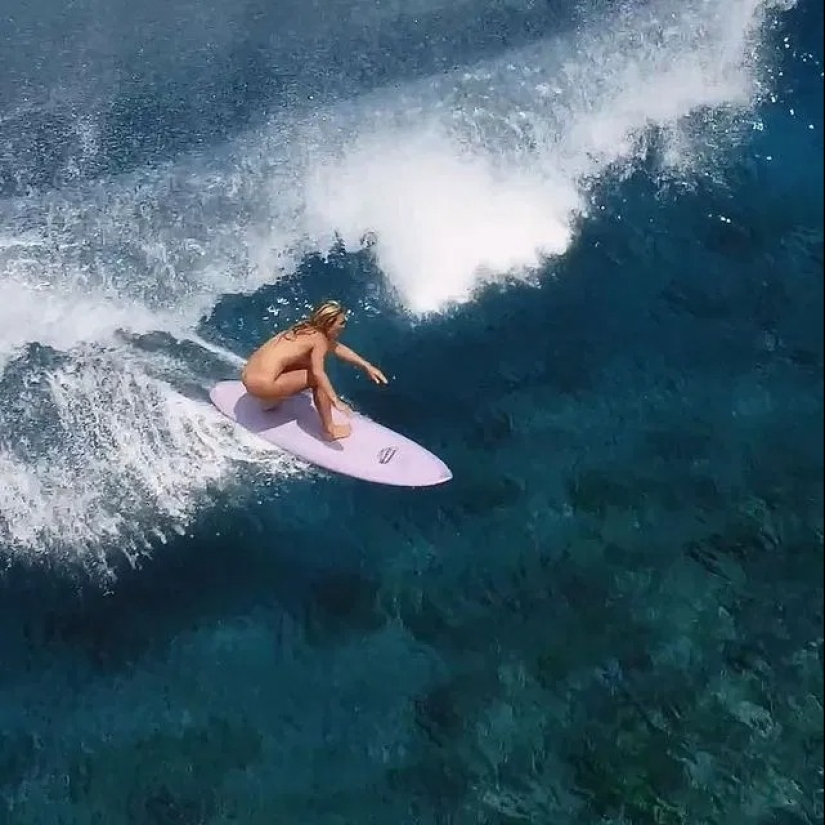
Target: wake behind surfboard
[[372, 452]]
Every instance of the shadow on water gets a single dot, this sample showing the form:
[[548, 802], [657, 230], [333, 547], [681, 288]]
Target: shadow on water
[[241, 562]]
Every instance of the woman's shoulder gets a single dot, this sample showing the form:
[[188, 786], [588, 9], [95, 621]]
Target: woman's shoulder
[[305, 337]]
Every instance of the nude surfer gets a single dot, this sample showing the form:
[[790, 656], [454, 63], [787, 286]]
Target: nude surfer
[[293, 360]]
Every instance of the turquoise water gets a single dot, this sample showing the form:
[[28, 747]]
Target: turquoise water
[[586, 246]]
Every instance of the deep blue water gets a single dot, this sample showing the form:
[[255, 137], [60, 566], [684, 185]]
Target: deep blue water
[[613, 613]]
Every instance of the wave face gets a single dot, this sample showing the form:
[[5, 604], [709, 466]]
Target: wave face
[[475, 173], [584, 239]]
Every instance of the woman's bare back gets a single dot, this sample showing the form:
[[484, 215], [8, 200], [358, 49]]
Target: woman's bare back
[[284, 352]]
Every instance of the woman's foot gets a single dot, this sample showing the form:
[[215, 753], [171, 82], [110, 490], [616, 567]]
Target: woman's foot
[[337, 431]]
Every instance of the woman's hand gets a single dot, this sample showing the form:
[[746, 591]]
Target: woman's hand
[[375, 375]]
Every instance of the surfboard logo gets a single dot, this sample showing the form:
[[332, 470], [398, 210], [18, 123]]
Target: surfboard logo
[[386, 455]]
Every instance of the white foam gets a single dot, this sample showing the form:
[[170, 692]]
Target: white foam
[[483, 174], [443, 223], [32, 312], [124, 456], [462, 178]]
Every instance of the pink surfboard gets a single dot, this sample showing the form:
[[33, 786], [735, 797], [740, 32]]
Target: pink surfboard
[[372, 452]]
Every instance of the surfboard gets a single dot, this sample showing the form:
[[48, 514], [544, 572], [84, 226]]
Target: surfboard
[[372, 452]]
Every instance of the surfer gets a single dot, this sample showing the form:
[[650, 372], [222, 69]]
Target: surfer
[[293, 360]]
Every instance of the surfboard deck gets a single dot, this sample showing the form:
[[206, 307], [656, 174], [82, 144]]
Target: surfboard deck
[[372, 452]]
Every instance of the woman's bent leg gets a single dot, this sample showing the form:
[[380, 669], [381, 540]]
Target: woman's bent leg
[[276, 389], [291, 383], [324, 406]]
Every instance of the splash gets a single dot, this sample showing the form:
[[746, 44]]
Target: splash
[[98, 448], [484, 174], [462, 178]]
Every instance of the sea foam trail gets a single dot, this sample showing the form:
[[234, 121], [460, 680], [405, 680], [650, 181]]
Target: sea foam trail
[[98, 448], [462, 178]]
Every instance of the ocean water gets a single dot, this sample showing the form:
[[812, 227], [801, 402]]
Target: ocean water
[[585, 241]]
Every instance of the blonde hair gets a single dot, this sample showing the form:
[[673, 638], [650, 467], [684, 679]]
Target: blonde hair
[[321, 319]]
